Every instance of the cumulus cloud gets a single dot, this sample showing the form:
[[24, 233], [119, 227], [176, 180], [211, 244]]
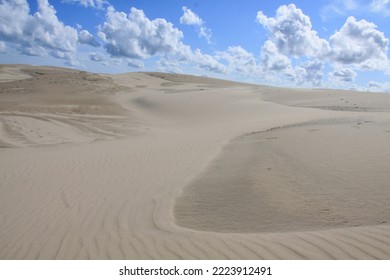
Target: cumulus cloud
[[208, 62], [197, 58], [359, 43], [272, 59], [38, 34], [62, 55], [190, 18], [87, 38], [45, 29], [135, 36], [169, 65], [343, 75], [376, 86], [310, 72], [291, 31], [240, 61], [98, 4], [72, 63], [96, 57], [373, 84], [275, 66], [135, 63], [33, 50], [14, 15]]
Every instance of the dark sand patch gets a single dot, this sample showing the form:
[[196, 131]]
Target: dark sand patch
[[307, 177]]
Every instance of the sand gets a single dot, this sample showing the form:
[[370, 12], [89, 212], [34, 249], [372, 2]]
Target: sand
[[166, 166]]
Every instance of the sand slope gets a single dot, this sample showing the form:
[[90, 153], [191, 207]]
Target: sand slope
[[97, 167]]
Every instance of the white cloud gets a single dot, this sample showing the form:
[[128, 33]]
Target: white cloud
[[343, 75], [46, 30], [309, 72], [73, 63], [197, 58], [13, 19], [208, 62], [34, 50], [240, 61], [291, 31], [132, 36], [39, 34], [62, 55], [135, 36], [373, 84], [376, 86], [275, 66], [381, 7], [272, 59], [135, 63], [359, 43], [87, 38], [205, 33], [190, 18], [96, 57], [99, 4], [169, 65], [119, 61]]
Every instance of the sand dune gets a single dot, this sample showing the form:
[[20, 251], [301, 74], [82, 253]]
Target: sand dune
[[163, 166]]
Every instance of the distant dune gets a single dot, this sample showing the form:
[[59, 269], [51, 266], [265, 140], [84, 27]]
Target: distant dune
[[169, 166]]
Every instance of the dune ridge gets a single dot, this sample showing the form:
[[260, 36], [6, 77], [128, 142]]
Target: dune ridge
[[94, 166]]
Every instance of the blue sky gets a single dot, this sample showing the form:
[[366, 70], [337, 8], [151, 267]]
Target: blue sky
[[326, 44]]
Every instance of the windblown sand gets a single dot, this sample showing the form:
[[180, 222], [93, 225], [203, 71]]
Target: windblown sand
[[165, 166]]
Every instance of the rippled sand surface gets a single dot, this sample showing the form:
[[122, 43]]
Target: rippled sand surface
[[166, 166]]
